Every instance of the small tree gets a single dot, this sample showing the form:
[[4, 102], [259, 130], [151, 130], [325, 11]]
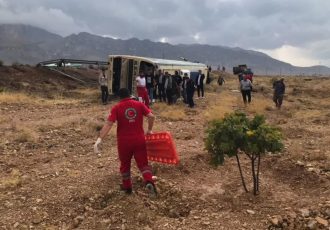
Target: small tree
[[235, 134]]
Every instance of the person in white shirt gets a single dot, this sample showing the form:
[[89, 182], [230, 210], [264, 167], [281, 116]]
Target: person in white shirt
[[141, 89], [103, 81]]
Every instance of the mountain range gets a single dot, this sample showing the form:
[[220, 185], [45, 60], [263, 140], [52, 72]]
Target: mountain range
[[29, 45]]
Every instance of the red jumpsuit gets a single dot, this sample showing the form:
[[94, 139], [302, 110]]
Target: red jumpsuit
[[130, 138], [143, 93]]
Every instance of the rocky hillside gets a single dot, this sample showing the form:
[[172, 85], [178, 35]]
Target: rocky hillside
[[30, 45]]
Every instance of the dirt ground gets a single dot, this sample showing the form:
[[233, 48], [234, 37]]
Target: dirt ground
[[51, 179]]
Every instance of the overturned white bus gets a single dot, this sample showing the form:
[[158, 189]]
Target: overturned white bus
[[123, 69]]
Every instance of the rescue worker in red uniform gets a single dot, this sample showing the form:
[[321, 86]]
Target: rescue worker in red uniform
[[141, 89], [131, 142]]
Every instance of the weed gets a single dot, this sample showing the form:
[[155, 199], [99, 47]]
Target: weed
[[25, 135], [318, 156], [14, 180]]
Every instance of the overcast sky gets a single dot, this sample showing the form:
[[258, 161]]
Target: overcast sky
[[294, 31]]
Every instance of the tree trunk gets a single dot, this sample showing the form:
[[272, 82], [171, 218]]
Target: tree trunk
[[253, 158], [258, 169], [240, 171]]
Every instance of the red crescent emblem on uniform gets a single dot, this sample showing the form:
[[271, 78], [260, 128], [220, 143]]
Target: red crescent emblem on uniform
[[130, 113]]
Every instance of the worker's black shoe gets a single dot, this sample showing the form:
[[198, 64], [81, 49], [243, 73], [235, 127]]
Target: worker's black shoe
[[126, 190], [151, 190]]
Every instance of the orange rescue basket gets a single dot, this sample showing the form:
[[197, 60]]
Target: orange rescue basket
[[161, 148]]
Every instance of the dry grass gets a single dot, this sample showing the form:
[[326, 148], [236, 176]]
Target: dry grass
[[318, 156], [88, 92], [220, 107], [213, 87], [25, 134], [259, 105], [171, 113], [92, 95], [12, 181], [10, 98], [22, 98], [20, 134], [4, 120], [308, 114], [93, 127]]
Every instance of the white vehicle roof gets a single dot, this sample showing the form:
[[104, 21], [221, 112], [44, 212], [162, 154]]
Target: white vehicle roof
[[164, 62]]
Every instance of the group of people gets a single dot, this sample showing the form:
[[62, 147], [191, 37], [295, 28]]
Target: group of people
[[168, 88], [246, 89], [129, 113], [163, 87]]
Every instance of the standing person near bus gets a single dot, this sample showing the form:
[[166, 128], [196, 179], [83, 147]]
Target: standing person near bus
[[184, 87], [178, 80], [161, 86], [103, 81], [169, 88], [190, 92], [200, 84], [129, 113], [150, 82], [141, 89]]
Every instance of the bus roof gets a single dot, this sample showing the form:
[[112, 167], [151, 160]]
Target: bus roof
[[163, 62]]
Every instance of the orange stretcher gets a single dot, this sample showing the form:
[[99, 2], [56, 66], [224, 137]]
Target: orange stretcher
[[161, 148]]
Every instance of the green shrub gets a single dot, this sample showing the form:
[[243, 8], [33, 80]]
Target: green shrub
[[235, 134]]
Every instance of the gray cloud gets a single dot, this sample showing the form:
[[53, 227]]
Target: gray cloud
[[249, 24]]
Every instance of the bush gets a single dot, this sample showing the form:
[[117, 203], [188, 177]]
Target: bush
[[235, 134], [16, 64], [1, 63]]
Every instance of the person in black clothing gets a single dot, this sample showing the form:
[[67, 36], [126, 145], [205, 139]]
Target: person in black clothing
[[208, 79], [178, 80], [161, 86], [240, 77], [190, 92], [279, 90], [221, 80], [169, 88], [155, 93], [200, 83], [184, 87]]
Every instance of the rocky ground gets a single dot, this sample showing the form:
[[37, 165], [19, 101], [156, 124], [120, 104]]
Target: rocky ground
[[51, 179]]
